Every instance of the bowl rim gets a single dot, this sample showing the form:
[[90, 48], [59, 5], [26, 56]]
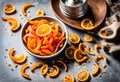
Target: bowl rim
[[50, 18]]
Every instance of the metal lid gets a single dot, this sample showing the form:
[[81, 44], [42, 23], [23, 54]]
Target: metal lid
[[73, 2]]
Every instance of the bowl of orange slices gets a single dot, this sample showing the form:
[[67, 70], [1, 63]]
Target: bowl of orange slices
[[44, 37]]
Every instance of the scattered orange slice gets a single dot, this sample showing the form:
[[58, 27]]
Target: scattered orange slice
[[68, 78], [69, 52], [25, 6], [87, 24], [9, 9], [44, 69], [43, 30], [89, 51], [54, 71], [40, 12], [17, 59], [74, 38], [79, 57], [64, 64], [88, 38], [82, 47], [96, 69], [15, 25], [100, 56], [36, 65], [22, 71], [83, 76], [96, 47]]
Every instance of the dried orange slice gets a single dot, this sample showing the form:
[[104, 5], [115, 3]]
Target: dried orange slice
[[54, 71], [88, 38], [17, 59], [36, 65], [83, 76], [68, 78], [82, 47], [15, 25], [79, 57], [9, 9], [87, 24], [89, 51], [22, 71], [40, 12], [69, 52], [64, 64], [96, 69], [100, 56], [44, 69], [96, 47], [25, 6], [43, 30], [74, 38]]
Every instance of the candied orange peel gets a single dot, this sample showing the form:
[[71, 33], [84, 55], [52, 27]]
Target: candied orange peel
[[9, 9], [96, 47], [95, 70], [44, 69], [17, 58], [40, 12], [64, 64], [68, 78], [23, 73], [15, 25]]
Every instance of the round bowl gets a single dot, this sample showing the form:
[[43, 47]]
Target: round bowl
[[50, 19]]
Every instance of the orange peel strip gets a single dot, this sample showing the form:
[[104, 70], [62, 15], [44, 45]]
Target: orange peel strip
[[36, 65], [22, 71], [25, 6], [96, 47], [96, 69], [44, 69], [64, 64]]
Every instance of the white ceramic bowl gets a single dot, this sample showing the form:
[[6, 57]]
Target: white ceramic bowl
[[50, 19]]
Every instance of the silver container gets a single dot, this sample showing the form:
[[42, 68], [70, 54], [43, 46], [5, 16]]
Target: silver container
[[74, 8]]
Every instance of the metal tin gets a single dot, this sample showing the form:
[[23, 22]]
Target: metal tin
[[74, 8]]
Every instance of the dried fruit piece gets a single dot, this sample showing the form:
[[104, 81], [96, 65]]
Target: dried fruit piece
[[68, 78], [82, 47], [25, 6], [74, 38], [64, 64], [44, 69], [96, 47], [15, 25], [100, 56], [54, 71], [83, 76], [40, 12], [69, 52], [22, 71], [79, 57], [17, 59], [36, 65], [87, 24], [9, 9], [88, 38], [96, 69]]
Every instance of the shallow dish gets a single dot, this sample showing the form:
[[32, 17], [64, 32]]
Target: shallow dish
[[50, 19]]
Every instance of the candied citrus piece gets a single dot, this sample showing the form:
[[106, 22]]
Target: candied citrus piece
[[83, 76], [36, 65], [40, 12], [100, 56], [68, 78], [88, 38], [22, 71], [87, 24], [15, 25], [79, 57], [96, 69], [44, 69], [17, 58], [25, 7], [97, 46], [64, 64], [43, 30], [69, 52], [54, 71], [82, 47], [9, 9], [74, 38], [89, 51]]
